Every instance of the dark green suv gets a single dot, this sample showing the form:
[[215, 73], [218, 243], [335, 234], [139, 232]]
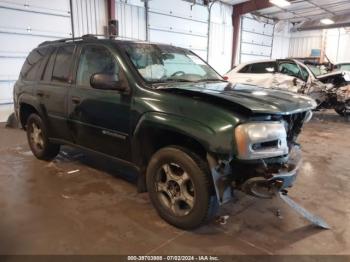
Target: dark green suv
[[192, 137]]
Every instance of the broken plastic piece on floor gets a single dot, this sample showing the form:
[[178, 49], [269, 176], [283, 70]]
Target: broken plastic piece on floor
[[317, 221], [73, 171], [222, 220]]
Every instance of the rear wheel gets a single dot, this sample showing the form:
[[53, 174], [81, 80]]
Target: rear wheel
[[37, 136], [180, 188]]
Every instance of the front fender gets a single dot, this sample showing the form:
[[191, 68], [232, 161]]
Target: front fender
[[216, 139]]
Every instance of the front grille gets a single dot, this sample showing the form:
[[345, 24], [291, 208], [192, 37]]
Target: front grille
[[293, 124]]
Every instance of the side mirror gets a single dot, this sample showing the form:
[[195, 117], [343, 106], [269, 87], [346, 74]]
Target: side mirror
[[107, 82]]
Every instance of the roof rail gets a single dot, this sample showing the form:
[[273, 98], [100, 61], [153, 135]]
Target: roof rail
[[64, 40]]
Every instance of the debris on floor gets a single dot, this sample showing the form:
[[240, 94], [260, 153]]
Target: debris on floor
[[73, 171], [317, 221], [222, 220]]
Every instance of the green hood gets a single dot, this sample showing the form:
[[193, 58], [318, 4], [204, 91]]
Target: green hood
[[249, 98]]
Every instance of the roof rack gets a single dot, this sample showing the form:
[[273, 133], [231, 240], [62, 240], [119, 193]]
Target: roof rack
[[64, 40]]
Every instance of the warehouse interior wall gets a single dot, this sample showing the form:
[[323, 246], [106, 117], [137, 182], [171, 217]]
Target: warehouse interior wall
[[180, 23], [89, 17], [23, 25]]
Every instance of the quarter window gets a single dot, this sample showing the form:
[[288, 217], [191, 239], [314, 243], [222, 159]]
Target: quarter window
[[62, 65], [93, 60], [32, 63], [262, 68]]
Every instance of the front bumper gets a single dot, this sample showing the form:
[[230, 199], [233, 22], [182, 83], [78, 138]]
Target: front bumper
[[263, 178]]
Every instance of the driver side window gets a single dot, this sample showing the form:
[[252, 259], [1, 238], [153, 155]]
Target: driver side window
[[93, 60], [290, 69]]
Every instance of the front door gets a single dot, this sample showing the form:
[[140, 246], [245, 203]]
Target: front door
[[99, 119]]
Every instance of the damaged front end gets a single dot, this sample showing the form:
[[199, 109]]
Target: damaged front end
[[267, 158]]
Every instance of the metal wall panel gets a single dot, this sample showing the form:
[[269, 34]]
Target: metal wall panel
[[256, 39], [302, 42], [179, 23], [281, 40], [182, 24], [132, 21], [23, 25], [220, 45], [89, 17]]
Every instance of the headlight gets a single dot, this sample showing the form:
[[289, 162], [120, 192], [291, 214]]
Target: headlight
[[257, 140]]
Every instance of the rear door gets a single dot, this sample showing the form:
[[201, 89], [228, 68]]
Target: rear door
[[291, 76], [99, 119], [52, 90]]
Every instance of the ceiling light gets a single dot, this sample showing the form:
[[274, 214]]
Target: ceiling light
[[327, 21], [280, 3]]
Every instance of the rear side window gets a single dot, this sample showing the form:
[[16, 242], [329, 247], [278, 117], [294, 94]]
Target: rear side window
[[32, 64], [262, 68], [245, 69], [61, 70]]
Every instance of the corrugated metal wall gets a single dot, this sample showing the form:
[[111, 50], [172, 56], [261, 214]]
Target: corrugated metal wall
[[89, 17], [220, 45], [23, 25], [281, 40], [132, 21], [180, 23], [302, 42]]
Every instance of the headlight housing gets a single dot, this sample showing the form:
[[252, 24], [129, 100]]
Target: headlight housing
[[258, 140]]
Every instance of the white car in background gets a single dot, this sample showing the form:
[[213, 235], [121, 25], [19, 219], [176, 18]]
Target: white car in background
[[287, 74], [330, 90]]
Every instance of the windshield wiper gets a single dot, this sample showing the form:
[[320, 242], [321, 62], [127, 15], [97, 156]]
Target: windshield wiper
[[172, 80], [211, 79]]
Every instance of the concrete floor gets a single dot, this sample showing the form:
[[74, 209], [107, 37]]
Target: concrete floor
[[46, 210]]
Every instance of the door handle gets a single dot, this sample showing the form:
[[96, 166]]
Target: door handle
[[249, 80], [75, 99], [40, 93]]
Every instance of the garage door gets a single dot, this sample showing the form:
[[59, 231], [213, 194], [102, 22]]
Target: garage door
[[23, 25], [179, 23], [256, 40]]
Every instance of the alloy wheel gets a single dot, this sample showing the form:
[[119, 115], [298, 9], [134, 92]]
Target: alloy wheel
[[175, 189]]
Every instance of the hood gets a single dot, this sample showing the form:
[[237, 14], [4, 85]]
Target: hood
[[249, 98], [338, 77]]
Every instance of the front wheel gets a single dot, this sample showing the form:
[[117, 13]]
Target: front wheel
[[342, 109], [180, 187], [37, 135]]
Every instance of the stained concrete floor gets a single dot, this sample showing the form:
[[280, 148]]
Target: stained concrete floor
[[96, 210]]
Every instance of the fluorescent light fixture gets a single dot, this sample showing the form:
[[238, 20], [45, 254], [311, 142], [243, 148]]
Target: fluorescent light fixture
[[327, 21], [280, 3]]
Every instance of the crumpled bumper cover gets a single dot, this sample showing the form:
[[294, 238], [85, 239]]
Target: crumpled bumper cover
[[288, 175]]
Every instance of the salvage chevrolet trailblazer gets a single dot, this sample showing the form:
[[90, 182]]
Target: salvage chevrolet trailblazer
[[193, 137]]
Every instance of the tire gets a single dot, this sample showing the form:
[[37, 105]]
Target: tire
[[180, 187], [37, 135], [341, 108]]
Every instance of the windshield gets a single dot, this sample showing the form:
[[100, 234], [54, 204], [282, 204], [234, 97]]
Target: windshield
[[344, 67], [161, 63], [317, 69]]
